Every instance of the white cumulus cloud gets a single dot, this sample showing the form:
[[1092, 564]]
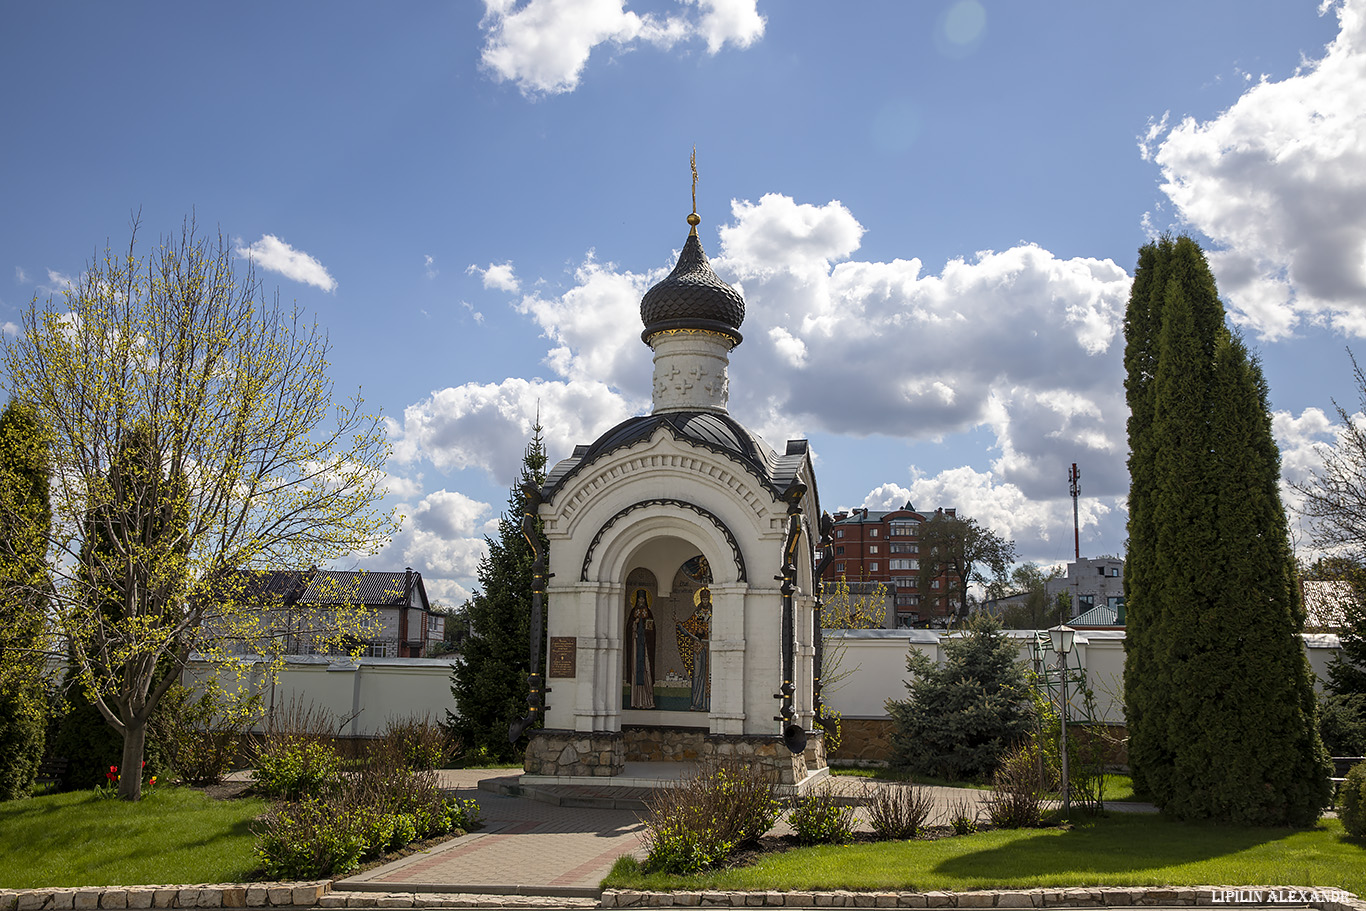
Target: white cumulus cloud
[[274, 255], [498, 277], [1278, 183], [487, 426], [543, 45]]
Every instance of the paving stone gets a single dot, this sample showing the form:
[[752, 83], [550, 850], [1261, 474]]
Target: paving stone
[[363, 899], [976, 899], [885, 900], [1014, 900], [33, 900], [334, 900], [755, 899], [864, 900], [687, 899], [911, 900], [395, 900], [234, 896], [938, 899], [85, 899], [799, 899], [141, 898]]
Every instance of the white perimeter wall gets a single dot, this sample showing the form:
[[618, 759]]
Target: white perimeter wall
[[875, 661], [369, 691]]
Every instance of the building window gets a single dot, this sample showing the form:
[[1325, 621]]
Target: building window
[[872, 548], [839, 567], [934, 583], [901, 547], [904, 563], [904, 528], [839, 549], [872, 532], [872, 567], [1114, 572], [839, 532], [905, 581]]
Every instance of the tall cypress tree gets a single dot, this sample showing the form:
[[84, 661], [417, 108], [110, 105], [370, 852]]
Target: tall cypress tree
[[490, 678], [25, 517], [1218, 696]]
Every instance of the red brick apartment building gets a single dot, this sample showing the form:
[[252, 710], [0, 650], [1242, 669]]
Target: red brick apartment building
[[874, 546]]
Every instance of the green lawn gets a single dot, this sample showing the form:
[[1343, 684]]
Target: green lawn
[[173, 835], [1121, 850]]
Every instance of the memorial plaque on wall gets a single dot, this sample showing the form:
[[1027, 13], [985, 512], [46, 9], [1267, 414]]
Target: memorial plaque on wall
[[563, 651]]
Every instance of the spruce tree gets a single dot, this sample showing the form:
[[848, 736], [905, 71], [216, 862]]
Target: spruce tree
[[25, 518], [490, 679], [1219, 702]]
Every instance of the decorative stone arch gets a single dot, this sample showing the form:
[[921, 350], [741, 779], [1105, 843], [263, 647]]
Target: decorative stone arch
[[678, 506]]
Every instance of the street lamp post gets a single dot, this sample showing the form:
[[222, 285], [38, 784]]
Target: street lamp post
[[1061, 638]]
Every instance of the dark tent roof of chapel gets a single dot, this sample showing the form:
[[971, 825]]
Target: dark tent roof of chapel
[[718, 432]]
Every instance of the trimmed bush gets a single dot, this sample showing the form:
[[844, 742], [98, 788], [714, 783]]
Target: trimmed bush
[[1016, 800], [310, 840], [897, 811], [1352, 801], [699, 823], [423, 743], [818, 818], [198, 736]]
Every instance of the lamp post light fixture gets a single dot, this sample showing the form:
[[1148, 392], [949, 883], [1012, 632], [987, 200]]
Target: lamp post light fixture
[[1061, 637]]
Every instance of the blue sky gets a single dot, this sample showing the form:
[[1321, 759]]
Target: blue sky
[[932, 209]]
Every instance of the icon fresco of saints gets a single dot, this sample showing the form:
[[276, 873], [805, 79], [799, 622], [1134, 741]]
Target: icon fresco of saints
[[694, 645], [640, 636]]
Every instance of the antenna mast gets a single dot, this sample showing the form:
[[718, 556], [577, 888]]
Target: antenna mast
[[1074, 482]]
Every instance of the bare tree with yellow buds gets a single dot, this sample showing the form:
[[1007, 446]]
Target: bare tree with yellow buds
[[194, 437]]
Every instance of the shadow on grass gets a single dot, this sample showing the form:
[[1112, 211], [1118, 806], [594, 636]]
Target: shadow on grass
[[1118, 845]]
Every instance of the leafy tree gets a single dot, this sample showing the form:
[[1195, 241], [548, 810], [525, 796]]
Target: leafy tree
[[961, 549], [1038, 610], [490, 680], [194, 432], [1219, 699], [962, 716], [25, 520]]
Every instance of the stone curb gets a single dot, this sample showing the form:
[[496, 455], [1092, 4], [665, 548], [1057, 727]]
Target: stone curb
[[222, 895], [320, 895], [1107, 897]]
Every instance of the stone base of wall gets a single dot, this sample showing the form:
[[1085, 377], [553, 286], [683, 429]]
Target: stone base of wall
[[651, 744], [556, 753], [575, 753], [864, 740]]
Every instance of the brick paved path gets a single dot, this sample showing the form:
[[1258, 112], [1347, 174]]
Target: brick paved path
[[526, 847]]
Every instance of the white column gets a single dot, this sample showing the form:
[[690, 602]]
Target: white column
[[728, 658]]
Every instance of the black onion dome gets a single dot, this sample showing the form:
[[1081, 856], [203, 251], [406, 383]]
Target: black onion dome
[[692, 297]]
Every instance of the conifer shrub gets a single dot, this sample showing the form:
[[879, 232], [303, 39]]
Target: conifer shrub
[[961, 716], [1352, 801]]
